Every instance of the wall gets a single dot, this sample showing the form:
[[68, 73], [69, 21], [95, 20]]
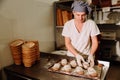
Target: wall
[[28, 20]]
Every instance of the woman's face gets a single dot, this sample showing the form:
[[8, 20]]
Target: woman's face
[[80, 16]]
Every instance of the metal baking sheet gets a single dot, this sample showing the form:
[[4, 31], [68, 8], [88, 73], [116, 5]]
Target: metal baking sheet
[[77, 75], [72, 73]]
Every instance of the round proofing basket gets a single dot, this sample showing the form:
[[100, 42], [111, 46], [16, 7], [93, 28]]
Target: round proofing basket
[[17, 59], [37, 50], [28, 55], [28, 61], [17, 42], [28, 45], [27, 64], [28, 51]]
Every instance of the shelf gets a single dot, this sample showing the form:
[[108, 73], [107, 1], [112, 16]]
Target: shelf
[[111, 8]]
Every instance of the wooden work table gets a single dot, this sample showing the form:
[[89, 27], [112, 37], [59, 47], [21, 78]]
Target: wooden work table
[[39, 72]]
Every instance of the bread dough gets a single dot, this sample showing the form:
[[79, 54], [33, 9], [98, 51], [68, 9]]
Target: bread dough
[[64, 62], [67, 68], [92, 72], [79, 70], [73, 63], [56, 66]]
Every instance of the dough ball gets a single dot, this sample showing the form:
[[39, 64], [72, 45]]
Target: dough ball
[[67, 68], [64, 62], [73, 63], [92, 72], [56, 66], [86, 65], [79, 70]]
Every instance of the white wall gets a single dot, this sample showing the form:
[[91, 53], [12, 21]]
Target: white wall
[[27, 20]]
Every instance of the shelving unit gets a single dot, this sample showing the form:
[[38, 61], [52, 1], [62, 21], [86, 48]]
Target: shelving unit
[[62, 13]]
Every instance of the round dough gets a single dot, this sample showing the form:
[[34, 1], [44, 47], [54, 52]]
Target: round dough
[[73, 63], [56, 66], [64, 62], [92, 72], [79, 70], [67, 68]]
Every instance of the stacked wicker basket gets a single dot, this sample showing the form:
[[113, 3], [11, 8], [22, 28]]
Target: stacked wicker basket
[[28, 53], [37, 51], [16, 50]]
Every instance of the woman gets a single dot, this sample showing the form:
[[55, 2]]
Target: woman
[[81, 34]]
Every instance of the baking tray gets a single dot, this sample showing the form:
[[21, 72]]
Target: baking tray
[[72, 73], [104, 69]]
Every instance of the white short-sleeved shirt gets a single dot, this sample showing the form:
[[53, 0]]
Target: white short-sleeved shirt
[[80, 40]]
